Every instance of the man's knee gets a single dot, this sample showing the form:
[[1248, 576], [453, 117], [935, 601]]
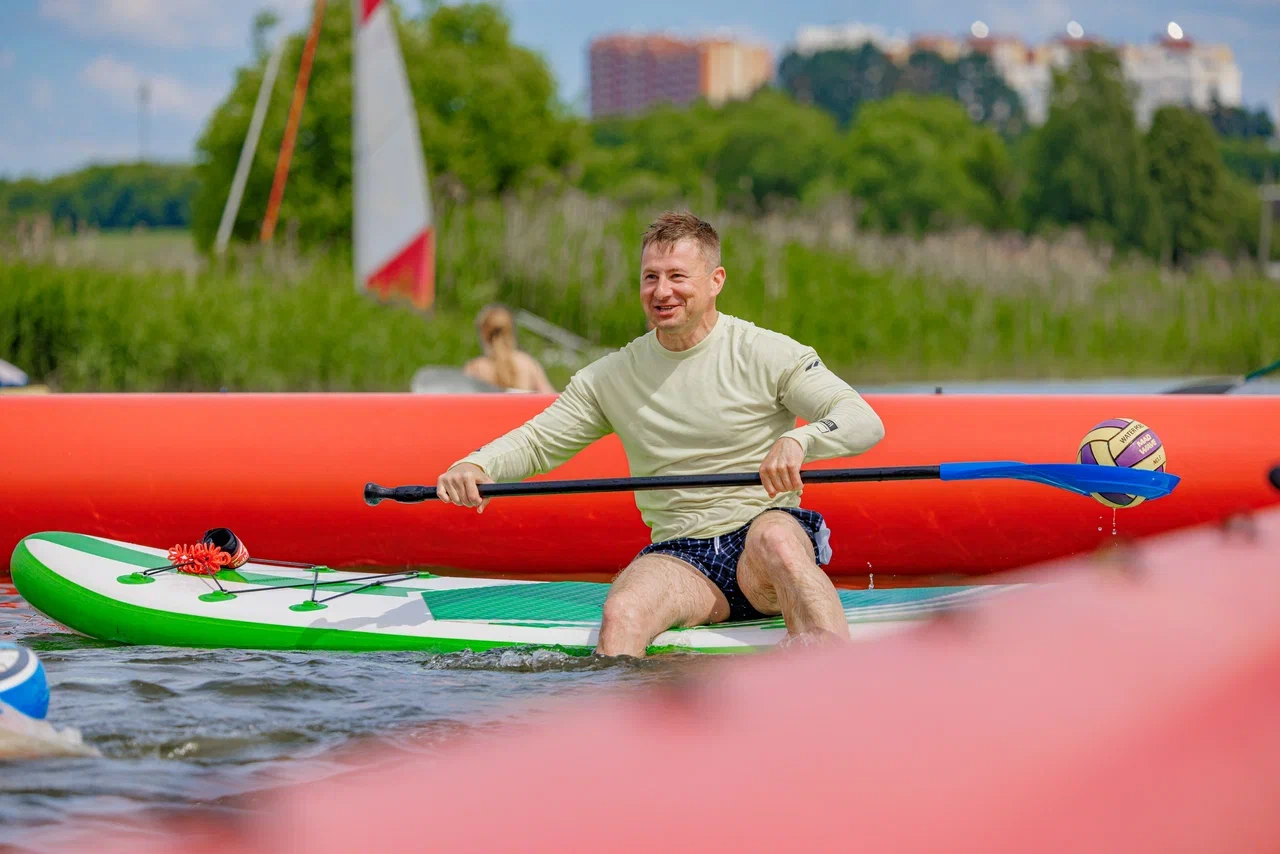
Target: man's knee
[[623, 610], [782, 544]]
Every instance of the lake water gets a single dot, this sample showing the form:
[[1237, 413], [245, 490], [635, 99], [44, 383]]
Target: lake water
[[198, 731]]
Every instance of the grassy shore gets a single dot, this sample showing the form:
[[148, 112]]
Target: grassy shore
[[878, 309], [80, 329]]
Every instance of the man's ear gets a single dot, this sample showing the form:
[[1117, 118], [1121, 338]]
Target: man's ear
[[718, 276]]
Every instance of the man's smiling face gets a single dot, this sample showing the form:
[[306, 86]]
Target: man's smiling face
[[678, 285]]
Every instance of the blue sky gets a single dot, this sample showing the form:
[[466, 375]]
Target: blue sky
[[70, 69]]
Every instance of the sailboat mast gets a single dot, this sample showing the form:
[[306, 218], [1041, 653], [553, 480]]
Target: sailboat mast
[[291, 130]]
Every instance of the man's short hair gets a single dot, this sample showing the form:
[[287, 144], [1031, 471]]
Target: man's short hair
[[670, 228]]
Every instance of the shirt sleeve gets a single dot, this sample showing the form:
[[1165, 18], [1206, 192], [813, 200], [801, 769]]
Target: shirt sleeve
[[573, 421], [841, 423]]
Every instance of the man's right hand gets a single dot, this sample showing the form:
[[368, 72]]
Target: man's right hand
[[461, 485]]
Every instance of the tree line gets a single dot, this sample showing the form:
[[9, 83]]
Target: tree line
[[120, 196], [928, 145]]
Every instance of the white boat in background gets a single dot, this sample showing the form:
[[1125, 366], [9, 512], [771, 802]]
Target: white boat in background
[[394, 231]]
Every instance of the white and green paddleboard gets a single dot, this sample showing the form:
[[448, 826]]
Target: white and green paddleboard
[[97, 587]]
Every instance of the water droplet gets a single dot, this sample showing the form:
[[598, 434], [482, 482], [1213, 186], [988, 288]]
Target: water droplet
[[871, 580], [1099, 528]]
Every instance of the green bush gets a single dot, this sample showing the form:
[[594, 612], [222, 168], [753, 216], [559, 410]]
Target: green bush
[[574, 260]]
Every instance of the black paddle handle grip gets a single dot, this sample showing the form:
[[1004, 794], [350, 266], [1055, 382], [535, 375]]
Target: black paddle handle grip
[[1275, 477], [373, 493]]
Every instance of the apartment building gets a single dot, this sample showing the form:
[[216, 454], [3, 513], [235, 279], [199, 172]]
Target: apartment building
[[633, 73]]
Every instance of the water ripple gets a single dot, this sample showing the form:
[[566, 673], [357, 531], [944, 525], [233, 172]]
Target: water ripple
[[198, 730]]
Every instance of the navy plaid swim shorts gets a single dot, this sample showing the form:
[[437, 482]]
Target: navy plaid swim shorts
[[717, 557]]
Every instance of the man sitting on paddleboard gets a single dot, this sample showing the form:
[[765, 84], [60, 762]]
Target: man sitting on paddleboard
[[700, 393]]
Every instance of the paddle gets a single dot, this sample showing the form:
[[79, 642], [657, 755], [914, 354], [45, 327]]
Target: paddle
[[1275, 477], [1224, 386], [1075, 477]]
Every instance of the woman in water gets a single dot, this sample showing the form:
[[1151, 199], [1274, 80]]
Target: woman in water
[[503, 363]]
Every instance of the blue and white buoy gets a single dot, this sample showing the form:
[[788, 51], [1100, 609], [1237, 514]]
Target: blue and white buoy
[[23, 685]]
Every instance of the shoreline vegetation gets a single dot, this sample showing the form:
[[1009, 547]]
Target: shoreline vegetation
[[912, 227], [148, 312]]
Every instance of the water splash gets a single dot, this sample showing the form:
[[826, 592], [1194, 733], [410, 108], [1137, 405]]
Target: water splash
[[541, 661]]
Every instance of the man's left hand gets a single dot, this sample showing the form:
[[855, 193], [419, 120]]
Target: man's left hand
[[780, 471]]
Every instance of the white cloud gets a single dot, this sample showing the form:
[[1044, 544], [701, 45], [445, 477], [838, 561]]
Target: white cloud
[[121, 81], [170, 23], [7, 59], [41, 92]]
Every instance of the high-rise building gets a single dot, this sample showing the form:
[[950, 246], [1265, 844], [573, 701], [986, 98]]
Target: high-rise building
[[1029, 69], [1168, 71], [630, 74], [732, 70], [1181, 72]]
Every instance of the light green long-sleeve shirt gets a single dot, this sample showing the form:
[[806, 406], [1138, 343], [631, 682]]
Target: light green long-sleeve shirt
[[715, 408]]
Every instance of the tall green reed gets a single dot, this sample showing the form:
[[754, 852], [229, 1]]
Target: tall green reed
[[966, 305]]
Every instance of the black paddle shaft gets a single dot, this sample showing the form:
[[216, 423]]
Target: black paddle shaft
[[1275, 477], [375, 494]]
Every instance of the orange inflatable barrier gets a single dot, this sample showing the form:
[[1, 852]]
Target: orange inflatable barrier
[[1129, 706], [287, 472]]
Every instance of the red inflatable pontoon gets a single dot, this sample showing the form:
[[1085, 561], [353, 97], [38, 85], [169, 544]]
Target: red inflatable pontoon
[[287, 472]]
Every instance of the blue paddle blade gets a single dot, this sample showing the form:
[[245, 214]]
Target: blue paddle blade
[[1077, 477]]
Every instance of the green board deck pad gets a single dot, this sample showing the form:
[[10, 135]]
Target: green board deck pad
[[91, 586]]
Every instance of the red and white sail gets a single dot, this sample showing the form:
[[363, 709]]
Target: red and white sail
[[394, 228]]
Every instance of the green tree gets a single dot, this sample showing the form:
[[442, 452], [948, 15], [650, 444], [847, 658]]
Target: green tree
[[665, 152], [772, 148], [1087, 166], [156, 195], [1243, 212], [918, 163], [1190, 182], [486, 110], [487, 107], [1240, 121], [23, 197], [751, 152], [1251, 159], [973, 81], [841, 81]]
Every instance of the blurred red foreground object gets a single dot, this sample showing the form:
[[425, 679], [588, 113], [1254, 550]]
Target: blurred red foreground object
[[1130, 706]]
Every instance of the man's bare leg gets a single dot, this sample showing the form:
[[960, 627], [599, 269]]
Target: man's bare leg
[[653, 594], [778, 575]]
